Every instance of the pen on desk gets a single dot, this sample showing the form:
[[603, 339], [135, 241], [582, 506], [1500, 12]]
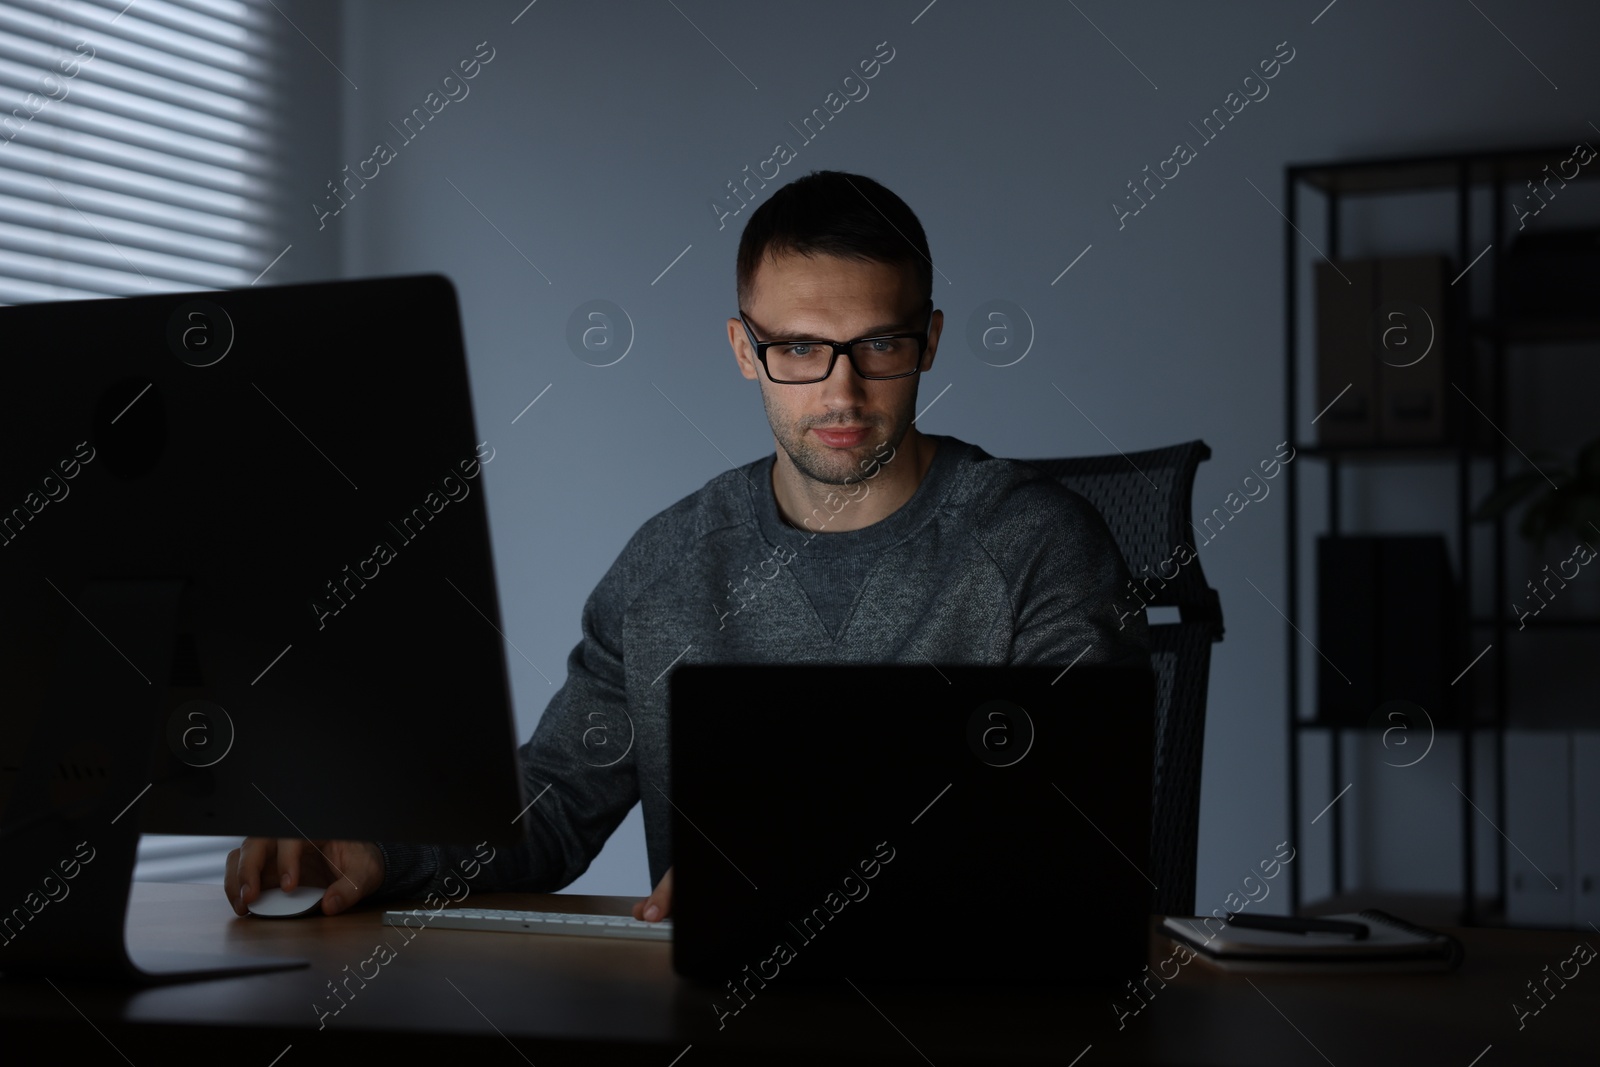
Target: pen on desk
[[1293, 924]]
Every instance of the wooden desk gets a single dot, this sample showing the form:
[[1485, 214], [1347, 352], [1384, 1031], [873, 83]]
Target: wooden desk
[[451, 994]]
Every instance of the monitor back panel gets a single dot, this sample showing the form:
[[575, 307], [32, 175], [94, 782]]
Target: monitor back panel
[[305, 458], [907, 824]]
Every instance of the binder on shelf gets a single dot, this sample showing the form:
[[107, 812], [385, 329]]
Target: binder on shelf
[[1346, 367], [1410, 346], [1381, 351], [1387, 627]]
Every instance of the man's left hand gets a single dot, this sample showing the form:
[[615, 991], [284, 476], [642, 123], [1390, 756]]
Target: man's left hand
[[657, 905]]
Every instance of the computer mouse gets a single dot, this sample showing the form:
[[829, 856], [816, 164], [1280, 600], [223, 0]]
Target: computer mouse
[[295, 903]]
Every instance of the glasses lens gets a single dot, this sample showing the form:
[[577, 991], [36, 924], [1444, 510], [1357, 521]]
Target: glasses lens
[[880, 357]]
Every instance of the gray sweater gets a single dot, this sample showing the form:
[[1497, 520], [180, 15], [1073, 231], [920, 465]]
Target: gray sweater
[[991, 561]]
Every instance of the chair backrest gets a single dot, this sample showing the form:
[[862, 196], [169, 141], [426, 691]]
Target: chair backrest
[[1145, 498]]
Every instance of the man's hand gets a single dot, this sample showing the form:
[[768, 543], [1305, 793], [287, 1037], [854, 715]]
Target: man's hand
[[350, 869], [657, 905]]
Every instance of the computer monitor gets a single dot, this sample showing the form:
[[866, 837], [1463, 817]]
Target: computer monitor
[[245, 564]]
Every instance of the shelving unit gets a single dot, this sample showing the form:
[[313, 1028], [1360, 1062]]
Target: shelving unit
[[1478, 345]]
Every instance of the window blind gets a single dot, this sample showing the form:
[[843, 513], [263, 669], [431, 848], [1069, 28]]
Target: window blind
[[137, 146]]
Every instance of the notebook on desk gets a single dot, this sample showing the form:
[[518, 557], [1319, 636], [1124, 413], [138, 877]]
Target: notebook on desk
[[1389, 944]]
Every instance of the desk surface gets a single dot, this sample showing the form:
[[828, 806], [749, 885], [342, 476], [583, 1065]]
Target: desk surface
[[570, 1000]]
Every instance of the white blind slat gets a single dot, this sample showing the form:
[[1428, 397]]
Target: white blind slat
[[51, 217], [147, 165], [96, 247], [74, 144], [87, 198], [44, 27], [59, 167], [32, 290], [131, 30], [129, 234], [83, 91], [130, 280], [33, 55], [72, 113]]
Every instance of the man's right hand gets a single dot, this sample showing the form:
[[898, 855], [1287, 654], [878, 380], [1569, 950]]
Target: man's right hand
[[350, 870]]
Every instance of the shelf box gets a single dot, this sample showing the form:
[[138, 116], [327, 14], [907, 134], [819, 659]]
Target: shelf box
[[1381, 347], [1347, 381], [1550, 278], [1387, 630]]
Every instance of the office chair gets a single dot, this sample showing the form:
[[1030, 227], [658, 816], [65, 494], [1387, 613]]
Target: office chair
[[1145, 498]]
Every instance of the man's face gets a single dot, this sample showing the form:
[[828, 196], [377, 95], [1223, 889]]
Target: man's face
[[827, 297]]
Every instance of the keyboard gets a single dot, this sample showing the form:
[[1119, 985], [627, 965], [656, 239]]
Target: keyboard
[[536, 922]]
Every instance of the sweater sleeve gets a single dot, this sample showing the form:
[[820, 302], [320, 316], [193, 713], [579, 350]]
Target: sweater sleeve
[[1072, 582], [578, 770]]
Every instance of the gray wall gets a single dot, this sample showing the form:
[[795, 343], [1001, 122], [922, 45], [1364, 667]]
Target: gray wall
[[594, 140]]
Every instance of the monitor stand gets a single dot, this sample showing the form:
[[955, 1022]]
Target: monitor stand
[[71, 832]]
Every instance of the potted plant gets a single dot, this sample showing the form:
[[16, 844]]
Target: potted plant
[[1565, 497]]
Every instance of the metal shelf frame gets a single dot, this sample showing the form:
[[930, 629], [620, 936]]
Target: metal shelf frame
[[1471, 338]]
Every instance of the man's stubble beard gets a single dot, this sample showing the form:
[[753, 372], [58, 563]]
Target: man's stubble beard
[[813, 460]]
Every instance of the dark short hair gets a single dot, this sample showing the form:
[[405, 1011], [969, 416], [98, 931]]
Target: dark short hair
[[830, 212]]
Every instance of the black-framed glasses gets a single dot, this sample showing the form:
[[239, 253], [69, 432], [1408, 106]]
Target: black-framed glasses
[[801, 362]]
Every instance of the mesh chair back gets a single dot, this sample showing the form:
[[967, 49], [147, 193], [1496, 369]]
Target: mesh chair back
[[1145, 498]]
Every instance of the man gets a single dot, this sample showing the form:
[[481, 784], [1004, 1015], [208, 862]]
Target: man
[[861, 539]]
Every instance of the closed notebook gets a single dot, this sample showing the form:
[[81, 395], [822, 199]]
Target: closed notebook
[[1391, 944]]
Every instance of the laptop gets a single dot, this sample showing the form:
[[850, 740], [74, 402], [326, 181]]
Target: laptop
[[909, 824]]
